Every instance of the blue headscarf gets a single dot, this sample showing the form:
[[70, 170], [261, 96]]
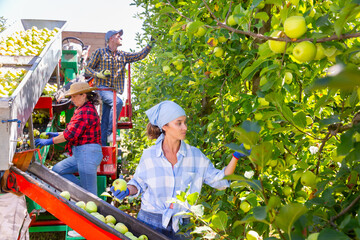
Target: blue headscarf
[[163, 113]]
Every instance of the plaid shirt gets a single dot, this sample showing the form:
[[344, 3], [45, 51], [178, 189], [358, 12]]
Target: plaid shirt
[[104, 59], [158, 181], [83, 128]]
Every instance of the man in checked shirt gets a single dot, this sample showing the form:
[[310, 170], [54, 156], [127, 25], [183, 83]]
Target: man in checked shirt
[[111, 60]]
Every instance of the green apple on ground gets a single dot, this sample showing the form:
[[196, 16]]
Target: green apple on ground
[[44, 136], [304, 51], [319, 52], [119, 184], [91, 207], [81, 204], [252, 235], [218, 51], [308, 178], [110, 219], [245, 206], [65, 194], [295, 26], [277, 46], [121, 227]]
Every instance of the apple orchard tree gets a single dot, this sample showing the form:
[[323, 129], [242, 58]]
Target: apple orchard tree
[[290, 92]]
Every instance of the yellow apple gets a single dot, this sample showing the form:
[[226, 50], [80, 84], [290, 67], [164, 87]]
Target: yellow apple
[[304, 51], [295, 26], [277, 46], [119, 184]]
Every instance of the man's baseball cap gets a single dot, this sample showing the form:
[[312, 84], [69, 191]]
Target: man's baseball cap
[[112, 32]]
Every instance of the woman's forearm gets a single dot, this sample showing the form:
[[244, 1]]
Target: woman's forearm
[[230, 168]]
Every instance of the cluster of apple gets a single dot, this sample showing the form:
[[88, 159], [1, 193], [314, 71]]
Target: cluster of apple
[[40, 117], [9, 80], [26, 43], [23, 142], [49, 90], [91, 208], [305, 51]]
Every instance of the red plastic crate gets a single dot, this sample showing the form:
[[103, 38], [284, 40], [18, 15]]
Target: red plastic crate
[[45, 103], [108, 164]]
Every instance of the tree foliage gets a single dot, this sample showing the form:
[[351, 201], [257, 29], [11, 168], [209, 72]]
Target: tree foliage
[[295, 116]]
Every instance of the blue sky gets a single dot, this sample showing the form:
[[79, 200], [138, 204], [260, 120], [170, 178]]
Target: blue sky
[[81, 15]]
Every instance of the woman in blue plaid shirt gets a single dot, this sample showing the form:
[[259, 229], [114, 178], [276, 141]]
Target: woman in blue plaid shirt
[[168, 167]]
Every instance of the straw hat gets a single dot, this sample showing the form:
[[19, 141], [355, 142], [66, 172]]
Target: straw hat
[[79, 87]]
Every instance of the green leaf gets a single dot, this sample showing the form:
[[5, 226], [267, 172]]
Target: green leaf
[[300, 119], [219, 220], [176, 26], [262, 15], [288, 215], [251, 70], [254, 184], [261, 154], [251, 126], [250, 138], [345, 14], [192, 198], [259, 213], [331, 234]]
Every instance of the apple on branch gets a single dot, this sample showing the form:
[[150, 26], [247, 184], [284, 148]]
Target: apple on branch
[[304, 51], [295, 26], [277, 46]]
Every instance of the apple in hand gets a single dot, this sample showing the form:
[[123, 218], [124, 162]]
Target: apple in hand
[[44, 136], [119, 184], [277, 46], [107, 72], [304, 51], [295, 26]]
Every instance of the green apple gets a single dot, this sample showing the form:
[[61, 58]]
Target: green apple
[[252, 235], [129, 235], [313, 236], [111, 225], [277, 46], [258, 116], [81, 204], [309, 120], [295, 26], [222, 39], [121, 228], [200, 32], [166, 69], [245, 206], [100, 217], [110, 219], [274, 202], [308, 178], [65, 194], [218, 51], [231, 20], [178, 65], [91, 207], [119, 184], [273, 162], [287, 190], [319, 52], [304, 51], [288, 77], [143, 237], [44, 136]]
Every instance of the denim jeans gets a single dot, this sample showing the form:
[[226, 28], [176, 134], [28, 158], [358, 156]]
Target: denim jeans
[[154, 221], [85, 160], [107, 113]]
